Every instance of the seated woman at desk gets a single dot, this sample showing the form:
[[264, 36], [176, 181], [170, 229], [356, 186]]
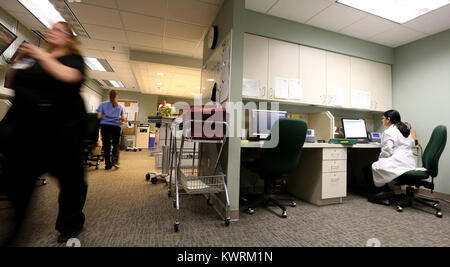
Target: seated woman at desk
[[395, 159]]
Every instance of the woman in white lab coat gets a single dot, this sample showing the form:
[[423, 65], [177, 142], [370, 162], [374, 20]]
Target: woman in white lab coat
[[395, 159]]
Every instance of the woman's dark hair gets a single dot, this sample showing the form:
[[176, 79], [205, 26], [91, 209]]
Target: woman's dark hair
[[112, 97], [396, 120]]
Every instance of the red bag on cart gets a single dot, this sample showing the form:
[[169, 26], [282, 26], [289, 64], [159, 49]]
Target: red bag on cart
[[205, 122]]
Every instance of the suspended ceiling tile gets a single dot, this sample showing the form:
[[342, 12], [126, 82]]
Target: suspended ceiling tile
[[368, 27], [97, 15], [105, 33], [192, 11], [433, 22], [261, 6], [185, 31], [146, 40], [336, 17], [155, 8], [298, 10], [397, 36], [144, 24]]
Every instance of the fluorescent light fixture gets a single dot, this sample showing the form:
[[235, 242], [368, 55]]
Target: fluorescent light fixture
[[98, 64], [94, 64], [399, 11], [160, 74], [44, 11], [116, 84], [211, 80], [159, 84]]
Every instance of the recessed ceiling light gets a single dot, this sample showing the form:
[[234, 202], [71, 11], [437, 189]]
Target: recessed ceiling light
[[160, 74], [159, 84], [98, 64], [44, 11], [399, 11], [116, 84]]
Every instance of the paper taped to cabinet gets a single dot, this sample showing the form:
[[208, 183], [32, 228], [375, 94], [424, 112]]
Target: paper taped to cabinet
[[281, 88], [361, 99], [295, 89], [250, 87]]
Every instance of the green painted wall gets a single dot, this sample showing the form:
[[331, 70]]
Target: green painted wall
[[147, 103], [422, 91], [285, 30]]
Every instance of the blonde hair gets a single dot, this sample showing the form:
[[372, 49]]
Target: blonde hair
[[74, 47]]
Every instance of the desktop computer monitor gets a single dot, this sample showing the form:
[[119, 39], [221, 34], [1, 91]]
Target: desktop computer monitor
[[261, 122], [354, 128]]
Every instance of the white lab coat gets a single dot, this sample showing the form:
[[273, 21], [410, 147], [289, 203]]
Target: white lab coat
[[396, 157]]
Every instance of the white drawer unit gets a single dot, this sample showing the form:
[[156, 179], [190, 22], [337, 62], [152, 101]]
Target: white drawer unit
[[334, 185], [334, 153], [334, 166]]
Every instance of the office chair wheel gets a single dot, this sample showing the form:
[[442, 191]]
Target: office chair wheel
[[44, 182], [209, 202], [293, 204], [399, 209], [147, 177], [436, 205], [227, 222], [176, 227], [439, 214], [251, 211], [154, 180], [284, 214]]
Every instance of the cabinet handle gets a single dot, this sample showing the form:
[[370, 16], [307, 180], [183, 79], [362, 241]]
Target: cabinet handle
[[263, 91], [271, 92]]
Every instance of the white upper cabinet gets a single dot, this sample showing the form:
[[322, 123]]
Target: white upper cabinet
[[313, 66], [256, 64], [338, 80], [382, 89], [375, 78], [280, 70], [283, 63]]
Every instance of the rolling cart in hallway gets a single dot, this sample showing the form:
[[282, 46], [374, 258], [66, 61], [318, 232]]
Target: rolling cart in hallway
[[194, 182]]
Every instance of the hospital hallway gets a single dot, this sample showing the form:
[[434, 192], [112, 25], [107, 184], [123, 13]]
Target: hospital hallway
[[122, 209]]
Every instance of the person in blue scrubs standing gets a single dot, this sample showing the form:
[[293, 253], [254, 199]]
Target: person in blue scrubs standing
[[111, 116]]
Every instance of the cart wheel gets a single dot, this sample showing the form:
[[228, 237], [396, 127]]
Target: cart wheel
[[44, 182], [284, 214], [251, 211], [174, 204], [140, 149], [399, 209], [227, 222], [176, 226], [209, 202], [154, 180], [147, 177], [439, 214], [293, 204]]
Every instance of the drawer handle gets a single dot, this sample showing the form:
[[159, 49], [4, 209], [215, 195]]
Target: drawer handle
[[335, 167]]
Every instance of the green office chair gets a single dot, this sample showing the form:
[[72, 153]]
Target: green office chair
[[418, 179], [275, 162], [90, 141]]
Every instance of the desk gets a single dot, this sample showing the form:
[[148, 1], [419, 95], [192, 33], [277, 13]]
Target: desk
[[321, 176]]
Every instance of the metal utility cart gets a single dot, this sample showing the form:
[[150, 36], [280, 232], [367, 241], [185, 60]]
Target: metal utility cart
[[133, 147], [194, 182], [163, 150]]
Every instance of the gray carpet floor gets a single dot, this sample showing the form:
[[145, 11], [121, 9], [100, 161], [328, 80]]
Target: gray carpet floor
[[122, 209]]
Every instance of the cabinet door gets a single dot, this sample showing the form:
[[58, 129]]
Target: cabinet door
[[256, 60], [338, 80], [361, 72], [283, 62], [313, 70], [382, 89]]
